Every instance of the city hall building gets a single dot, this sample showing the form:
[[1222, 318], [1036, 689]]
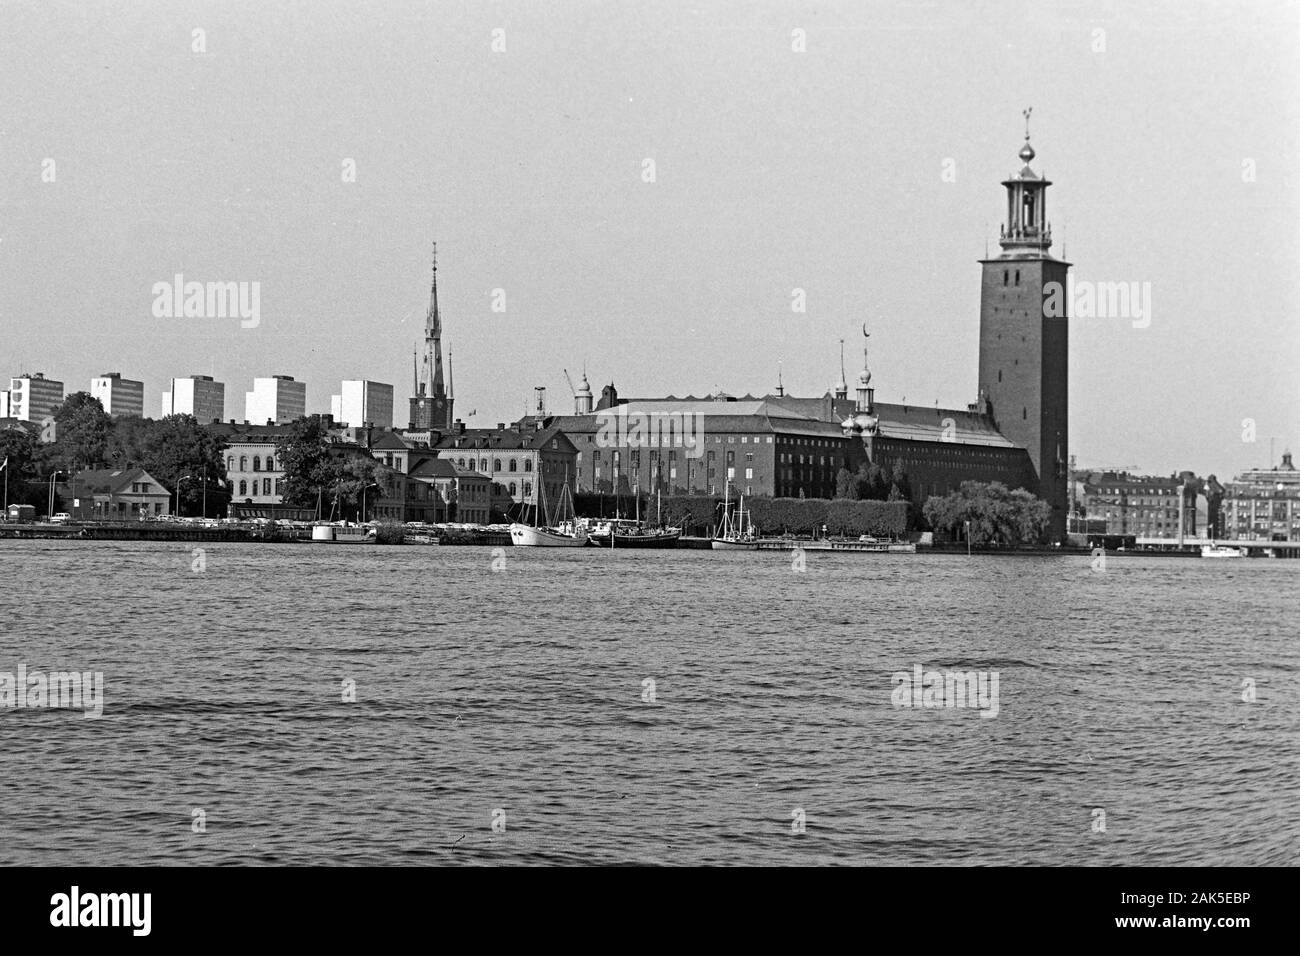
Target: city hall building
[[1016, 433]]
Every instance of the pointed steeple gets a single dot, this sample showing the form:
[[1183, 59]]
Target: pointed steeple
[[433, 331]]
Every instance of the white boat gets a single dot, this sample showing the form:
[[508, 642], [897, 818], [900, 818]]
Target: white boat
[[332, 534], [1220, 551], [734, 535], [565, 533]]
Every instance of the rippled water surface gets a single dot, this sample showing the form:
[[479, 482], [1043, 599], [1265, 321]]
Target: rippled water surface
[[521, 690]]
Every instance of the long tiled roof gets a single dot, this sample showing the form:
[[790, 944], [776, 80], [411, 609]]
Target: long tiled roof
[[918, 423]]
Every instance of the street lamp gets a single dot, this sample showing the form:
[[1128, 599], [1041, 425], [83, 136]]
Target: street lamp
[[177, 507], [50, 512]]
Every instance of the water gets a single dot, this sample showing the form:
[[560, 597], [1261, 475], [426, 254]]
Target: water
[[521, 690]]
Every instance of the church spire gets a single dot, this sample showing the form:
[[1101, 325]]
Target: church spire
[[433, 332]]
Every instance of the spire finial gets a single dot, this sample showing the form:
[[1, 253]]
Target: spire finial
[[1026, 151]]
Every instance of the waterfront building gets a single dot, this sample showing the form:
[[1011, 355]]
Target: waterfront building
[[1024, 348], [1142, 506], [363, 402], [1016, 432], [518, 460], [196, 395], [107, 494], [432, 401], [253, 473], [34, 398], [1263, 504], [121, 397], [278, 400]]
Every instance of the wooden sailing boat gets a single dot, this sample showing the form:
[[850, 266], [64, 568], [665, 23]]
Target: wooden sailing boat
[[566, 533], [733, 533]]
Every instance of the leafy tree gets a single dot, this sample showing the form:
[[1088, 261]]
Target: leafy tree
[[846, 485], [309, 469], [21, 449], [172, 448], [81, 432], [997, 516]]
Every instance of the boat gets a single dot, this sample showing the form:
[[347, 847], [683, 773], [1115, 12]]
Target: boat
[[627, 533], [734, 536], [1220, 551], [345, 534], [565, 533], [634, 533]]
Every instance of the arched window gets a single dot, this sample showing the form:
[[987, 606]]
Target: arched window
[[496, 464], [257, 463], [513, 490], [266, 486], [243, 487], [528, 466], [482, 464], [230, 463], [471, 464], [513, 465], [270, 463], [243, 463], [461, 462], [528, 489]]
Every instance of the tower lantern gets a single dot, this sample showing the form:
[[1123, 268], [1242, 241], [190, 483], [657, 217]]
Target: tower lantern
[[1026, 230]]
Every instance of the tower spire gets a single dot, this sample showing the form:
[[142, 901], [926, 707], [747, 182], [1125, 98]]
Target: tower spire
[[842, 386]]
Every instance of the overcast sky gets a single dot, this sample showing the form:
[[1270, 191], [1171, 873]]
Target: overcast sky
[[1169, 131]]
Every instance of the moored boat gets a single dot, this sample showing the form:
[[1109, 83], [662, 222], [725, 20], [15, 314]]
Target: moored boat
[[1220, 551], [565, 533], [626, 533], [734, 536]]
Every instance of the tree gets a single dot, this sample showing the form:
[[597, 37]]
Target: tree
[[846, 485], [81, 431], [172, 448], [22, 452], [996, 516], [304, 454]]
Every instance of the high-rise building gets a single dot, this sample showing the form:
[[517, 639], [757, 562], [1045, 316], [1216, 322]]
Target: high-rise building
[[362, 402], [1024, 347], [196, 395], [33, 398], [432, 402], [121, 397], [278, 400]]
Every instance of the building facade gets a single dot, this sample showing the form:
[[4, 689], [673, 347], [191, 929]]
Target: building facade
[[196, 395], [1263, 504], [362, 402], [1142, 506], [525, 465], [34, 398], [278, 400], [115, 495], [121, 397]]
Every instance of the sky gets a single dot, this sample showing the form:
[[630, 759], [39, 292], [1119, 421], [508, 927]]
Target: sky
[[853, 151]]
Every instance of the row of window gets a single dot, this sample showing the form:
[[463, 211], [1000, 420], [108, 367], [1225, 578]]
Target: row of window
[[257, 463], [481, 464]]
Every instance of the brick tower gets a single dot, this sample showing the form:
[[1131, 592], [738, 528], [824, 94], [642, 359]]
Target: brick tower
[[1024, 352]]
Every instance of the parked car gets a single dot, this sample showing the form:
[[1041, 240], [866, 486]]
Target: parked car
[[61, 518]]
